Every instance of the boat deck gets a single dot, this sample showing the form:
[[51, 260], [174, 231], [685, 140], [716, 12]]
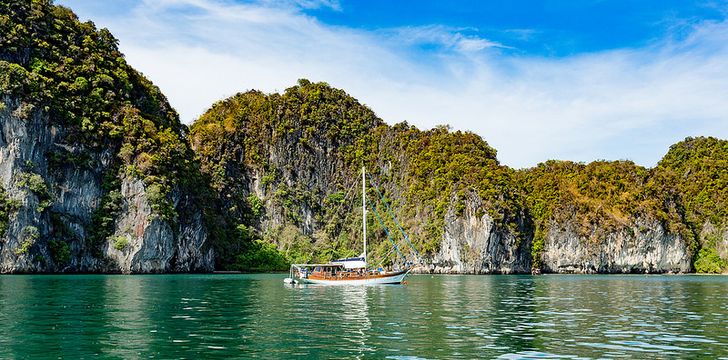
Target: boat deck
[[352, 275]]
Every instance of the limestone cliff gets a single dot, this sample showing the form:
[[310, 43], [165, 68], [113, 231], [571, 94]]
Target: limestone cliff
[[95, 170], [643, 248], [52, 225], [287, 167], [97, 174], [475, 244]]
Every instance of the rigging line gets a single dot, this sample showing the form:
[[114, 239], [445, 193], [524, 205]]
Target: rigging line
[[393, 217], [385, 229], [385, 257]]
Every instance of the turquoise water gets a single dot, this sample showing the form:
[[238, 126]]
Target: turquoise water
[[257, 316]]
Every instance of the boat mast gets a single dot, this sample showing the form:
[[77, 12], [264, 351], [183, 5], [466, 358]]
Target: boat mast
[[364, 209]]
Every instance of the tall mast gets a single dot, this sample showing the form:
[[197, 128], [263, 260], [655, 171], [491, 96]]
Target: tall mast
[[364, 208]]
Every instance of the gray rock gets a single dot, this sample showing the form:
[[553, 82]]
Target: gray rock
[[477, 245], [152, 244], [645, 247]]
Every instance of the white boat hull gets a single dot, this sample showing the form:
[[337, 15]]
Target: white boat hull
[[395, 279]]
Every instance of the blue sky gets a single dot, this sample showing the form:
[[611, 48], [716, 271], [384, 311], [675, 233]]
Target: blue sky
[[545, 28], [538, 80]]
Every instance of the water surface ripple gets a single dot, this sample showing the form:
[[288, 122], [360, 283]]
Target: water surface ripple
[[439, 317]]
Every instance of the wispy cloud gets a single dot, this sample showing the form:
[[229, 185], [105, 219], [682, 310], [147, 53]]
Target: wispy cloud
[[443, 38], [628, 103], [314, 4]]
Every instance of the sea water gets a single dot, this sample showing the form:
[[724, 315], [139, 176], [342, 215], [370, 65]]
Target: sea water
[[430, 317]]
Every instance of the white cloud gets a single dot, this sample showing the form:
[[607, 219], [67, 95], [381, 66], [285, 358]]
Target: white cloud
[[629, 103], [447, 38]]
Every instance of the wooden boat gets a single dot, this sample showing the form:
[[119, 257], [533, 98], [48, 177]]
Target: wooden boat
[[350, 271], [337, 274]]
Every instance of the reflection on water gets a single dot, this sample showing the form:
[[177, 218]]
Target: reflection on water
[[256, 316], [355, 313]]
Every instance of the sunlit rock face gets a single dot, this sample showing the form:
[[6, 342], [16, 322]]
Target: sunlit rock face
[[644, 247], [51, 227], [475, 244]]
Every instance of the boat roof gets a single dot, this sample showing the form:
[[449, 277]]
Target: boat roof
[[361, 258], [312, 265]]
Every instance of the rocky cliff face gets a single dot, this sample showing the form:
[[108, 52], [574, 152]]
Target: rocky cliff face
[[296, 155], [475, 244], [153, 244], [472, 242], [644, 247], [722, 245], [96, 174], [50, 230]]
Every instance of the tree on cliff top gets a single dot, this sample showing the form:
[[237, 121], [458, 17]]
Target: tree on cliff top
[[74, 74]]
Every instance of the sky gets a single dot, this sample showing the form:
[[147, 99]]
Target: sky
[[552, 79]]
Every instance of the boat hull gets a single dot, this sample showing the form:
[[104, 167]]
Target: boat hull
[[395, 278]]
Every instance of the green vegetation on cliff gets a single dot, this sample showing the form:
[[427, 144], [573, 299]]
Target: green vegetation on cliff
[[439, 170], [697, 170], [275, 137], [76, 74], [54, 66], [296, 154], [8, 207], [274, 174], [290, 159], [600, 198], [685, 192]]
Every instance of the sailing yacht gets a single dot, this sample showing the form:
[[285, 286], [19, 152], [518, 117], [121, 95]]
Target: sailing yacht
[[350, 271]]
